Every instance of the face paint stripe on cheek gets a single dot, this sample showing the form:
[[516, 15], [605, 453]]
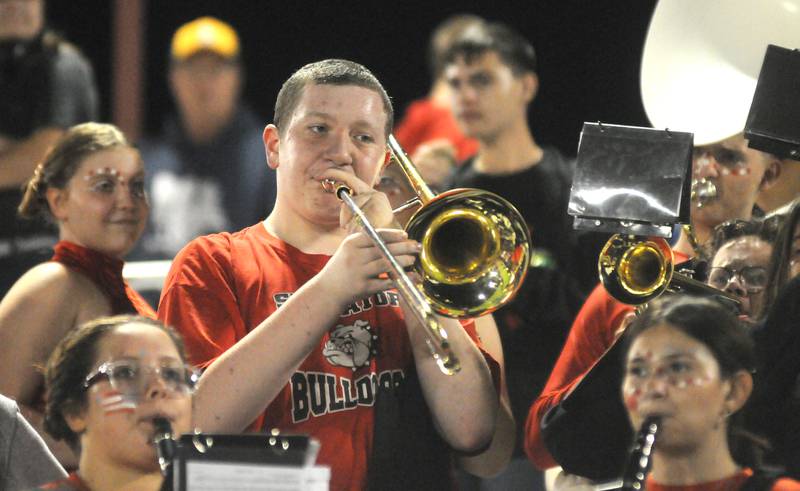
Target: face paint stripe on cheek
[[114, 401], [632, 402], [632, 396]]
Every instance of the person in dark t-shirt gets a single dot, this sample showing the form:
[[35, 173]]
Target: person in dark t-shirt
[[490, 70], [46, 86]]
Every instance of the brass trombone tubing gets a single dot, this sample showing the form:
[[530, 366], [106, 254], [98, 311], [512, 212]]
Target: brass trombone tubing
[[436, 339], [612, 263], [412, 203], [690, 285], [421, 189]]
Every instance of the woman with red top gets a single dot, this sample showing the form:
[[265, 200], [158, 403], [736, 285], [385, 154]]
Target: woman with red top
[[689, 362], [91, 186], [107, 382]]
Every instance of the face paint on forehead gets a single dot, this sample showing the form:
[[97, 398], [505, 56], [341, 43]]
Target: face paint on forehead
[[665, 351]]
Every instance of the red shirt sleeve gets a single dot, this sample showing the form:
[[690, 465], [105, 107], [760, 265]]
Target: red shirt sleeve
[[591, 334], [786, 484], [199, 301], [410, 132], [139, 303]]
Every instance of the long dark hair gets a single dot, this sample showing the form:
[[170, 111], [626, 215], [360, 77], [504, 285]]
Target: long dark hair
[[728, 340], [778, 274]]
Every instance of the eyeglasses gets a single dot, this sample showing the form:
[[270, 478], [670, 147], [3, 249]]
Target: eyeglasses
[[753, 278], [131, 378]]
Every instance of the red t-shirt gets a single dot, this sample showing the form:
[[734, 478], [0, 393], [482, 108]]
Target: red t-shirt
[[591, 334], [73, 482], [221, 286], [424, 121], [732, 483]]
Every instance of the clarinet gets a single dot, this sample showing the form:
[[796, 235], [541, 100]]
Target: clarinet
[[640, 458], [165, 444]]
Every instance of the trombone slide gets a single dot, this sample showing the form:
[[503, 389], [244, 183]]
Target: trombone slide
[[436, 335]]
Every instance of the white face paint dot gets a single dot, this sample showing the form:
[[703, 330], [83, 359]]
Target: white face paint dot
[[105, 172]]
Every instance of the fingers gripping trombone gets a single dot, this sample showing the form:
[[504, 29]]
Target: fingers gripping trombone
[[436, 335]]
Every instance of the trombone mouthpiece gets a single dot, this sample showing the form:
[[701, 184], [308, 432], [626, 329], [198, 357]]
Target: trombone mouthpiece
[[331, 186]]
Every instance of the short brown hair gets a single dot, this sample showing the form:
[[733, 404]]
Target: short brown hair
[[478, 39], [62, 161], [765, 229], [443, 37], [328, 72], [70, 363]]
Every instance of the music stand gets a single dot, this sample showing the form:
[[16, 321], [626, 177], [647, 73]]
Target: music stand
[[631, 180], [773, 124], [237, 461]]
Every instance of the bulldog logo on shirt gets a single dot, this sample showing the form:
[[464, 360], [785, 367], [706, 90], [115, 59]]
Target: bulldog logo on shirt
[[351, 346]]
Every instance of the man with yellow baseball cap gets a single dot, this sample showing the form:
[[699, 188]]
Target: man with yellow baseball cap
[[206, 171], [205, 34]]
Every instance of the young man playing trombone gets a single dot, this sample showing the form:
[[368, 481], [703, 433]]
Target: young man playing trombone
[[337, 360]]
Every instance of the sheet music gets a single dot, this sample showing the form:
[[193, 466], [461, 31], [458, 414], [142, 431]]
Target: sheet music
[[212, 476]]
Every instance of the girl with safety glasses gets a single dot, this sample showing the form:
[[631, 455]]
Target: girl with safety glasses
[[107, 382]]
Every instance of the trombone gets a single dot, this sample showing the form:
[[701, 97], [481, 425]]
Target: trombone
[[635, 270], [474, 257]]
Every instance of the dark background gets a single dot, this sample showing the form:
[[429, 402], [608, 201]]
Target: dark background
[[589, 51]]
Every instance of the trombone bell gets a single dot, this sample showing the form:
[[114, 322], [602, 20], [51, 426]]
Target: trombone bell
[[459, 246], [643, 268], [635, 270], [475, 251], [475, 246]]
